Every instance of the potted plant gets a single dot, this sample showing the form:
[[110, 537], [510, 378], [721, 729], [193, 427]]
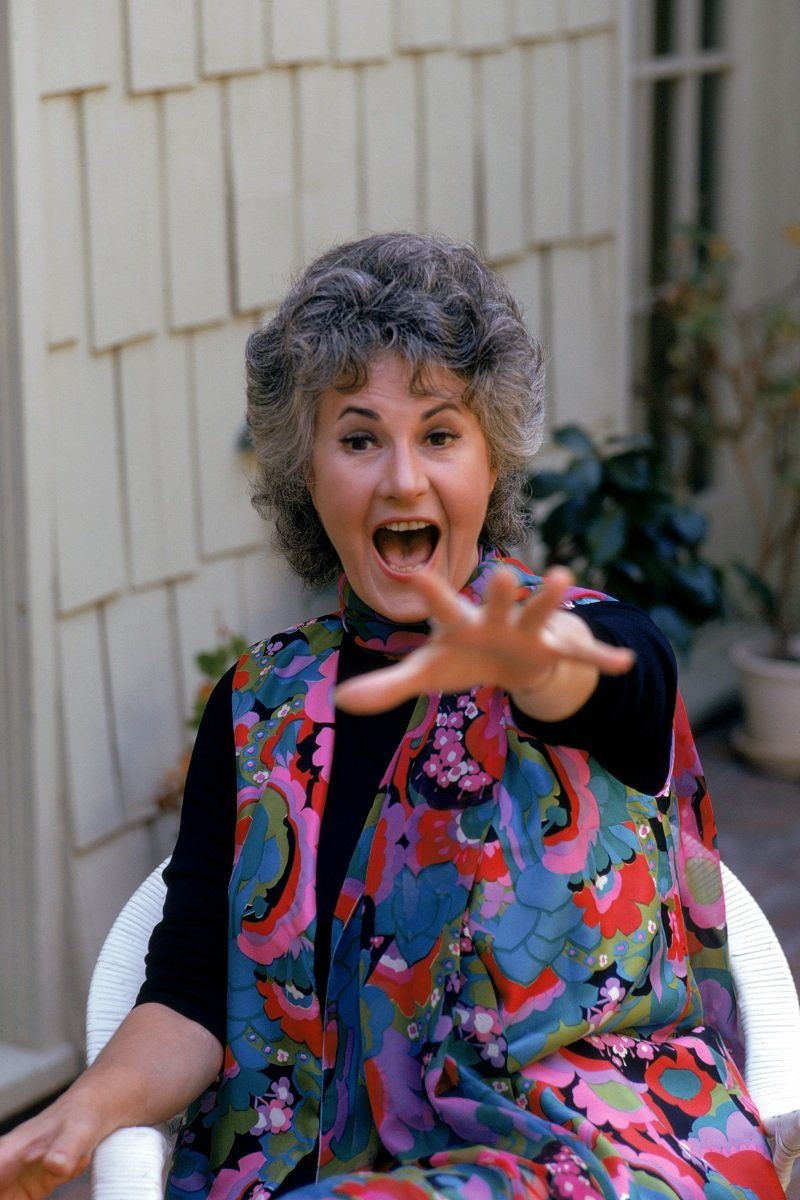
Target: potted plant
[[733, 379], [614, 517]]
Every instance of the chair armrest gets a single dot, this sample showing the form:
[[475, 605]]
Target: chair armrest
[[769, 1019], [784, 1133], [130, 1164], [119, 970]]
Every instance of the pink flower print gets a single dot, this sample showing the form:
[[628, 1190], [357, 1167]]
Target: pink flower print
[[493, 1052], [282, 1091], [450, 746], [469, 706], [450, 763], [475, 779], [484, 1023], [278, 1117], [275, 1113], [568, 1179], [611, 992]]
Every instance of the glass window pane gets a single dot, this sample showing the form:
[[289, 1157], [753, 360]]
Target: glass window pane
[[664, 27], [662, 174], [711, 15], [707, 149]]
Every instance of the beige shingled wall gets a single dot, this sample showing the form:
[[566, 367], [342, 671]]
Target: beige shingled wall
[[191, 156]]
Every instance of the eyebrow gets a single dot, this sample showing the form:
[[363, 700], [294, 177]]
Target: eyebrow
[[371, 415]]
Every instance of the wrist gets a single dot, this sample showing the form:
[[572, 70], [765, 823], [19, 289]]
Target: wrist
[[559, 695]]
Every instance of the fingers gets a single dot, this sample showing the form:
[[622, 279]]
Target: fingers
[[548, 599], [501, 596], [613, 660], [609, 660], [446, 606], [41, 1154], [568, 636]]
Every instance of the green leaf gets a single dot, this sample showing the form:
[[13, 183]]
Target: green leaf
[[606, 536], [674, 626], [631, 571], [689, 525], [566, 522], [699, 584], [544, 483], [631, 471], [575, 439], [583, 475]]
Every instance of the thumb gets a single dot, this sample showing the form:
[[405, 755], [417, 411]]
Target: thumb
[[381, 690]]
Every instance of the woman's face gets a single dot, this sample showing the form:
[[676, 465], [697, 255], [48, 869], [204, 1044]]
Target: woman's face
[[401, 482]]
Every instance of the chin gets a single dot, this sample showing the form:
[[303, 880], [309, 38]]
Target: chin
[[402, 614], [396, 603]]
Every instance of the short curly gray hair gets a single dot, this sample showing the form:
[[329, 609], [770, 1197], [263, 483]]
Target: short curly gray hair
[[434, 302]]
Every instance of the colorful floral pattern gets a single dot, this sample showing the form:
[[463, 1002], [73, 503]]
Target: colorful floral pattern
[[529, 993]]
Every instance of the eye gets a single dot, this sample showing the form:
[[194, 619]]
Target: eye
[[441, 437], [357, 441]]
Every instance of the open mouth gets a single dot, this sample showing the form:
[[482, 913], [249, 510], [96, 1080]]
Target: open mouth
[[406, 545]]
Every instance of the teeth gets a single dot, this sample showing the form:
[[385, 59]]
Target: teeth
[[405, 526]]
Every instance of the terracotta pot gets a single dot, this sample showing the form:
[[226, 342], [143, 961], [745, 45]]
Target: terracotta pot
[[770, 690]]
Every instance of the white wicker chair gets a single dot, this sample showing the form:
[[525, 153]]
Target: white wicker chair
[[769, 1020], [130, 1164]]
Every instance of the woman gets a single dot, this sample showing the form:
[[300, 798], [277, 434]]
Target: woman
[[473, 939]]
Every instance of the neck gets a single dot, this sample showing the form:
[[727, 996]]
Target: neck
[[373, 631]]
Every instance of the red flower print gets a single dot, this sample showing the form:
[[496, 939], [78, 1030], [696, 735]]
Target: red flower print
[[441, 838], [492, 866], [678, 1082], [613, 900], [678, 950], [299, 1014]]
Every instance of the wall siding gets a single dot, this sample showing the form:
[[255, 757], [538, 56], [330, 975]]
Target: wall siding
[[191, 160]]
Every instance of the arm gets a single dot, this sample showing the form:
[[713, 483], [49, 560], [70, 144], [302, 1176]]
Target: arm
[[155, 1064], [168, 1049], [544, 656]]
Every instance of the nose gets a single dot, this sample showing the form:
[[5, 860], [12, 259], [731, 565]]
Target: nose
[[405, 477]]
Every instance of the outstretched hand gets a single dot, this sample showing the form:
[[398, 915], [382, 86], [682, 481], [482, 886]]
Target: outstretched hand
[[545, 656], [44, 1153]]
